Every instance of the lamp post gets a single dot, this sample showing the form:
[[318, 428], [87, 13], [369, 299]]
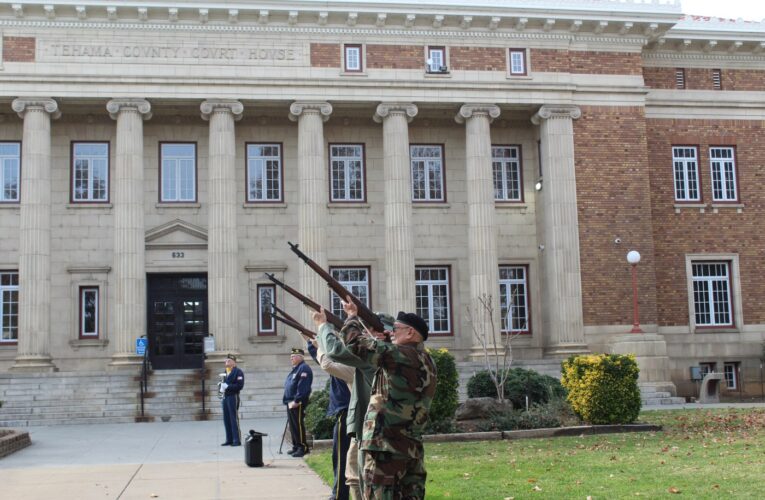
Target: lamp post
[[633, 257]]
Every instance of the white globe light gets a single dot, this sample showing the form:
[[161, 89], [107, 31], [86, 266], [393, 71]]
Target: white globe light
[[633, 257]]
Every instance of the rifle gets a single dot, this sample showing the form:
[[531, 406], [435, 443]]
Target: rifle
[[336, 322], [294, 324], [364, 313]]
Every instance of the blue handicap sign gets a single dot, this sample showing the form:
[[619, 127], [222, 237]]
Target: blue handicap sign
[[140, 346]]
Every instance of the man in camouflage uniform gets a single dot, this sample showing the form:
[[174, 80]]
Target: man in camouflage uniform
[[403, 388]]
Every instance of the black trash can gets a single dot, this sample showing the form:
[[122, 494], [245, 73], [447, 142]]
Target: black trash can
[[253, 449]]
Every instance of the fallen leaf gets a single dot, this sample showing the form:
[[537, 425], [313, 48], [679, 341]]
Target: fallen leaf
[[536, 488], [531, 480], [715, 486], [674, 490], [153, 495]]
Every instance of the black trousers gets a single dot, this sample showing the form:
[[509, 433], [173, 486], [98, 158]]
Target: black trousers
[[231, 419], [296, 418], [341, 441]]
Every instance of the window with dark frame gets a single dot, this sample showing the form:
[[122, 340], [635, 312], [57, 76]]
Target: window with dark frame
[[354, 62], [9, 306], [436, 61], [356, 281], [731, 372], [507, 173], [686, 173], [514, 299], [178, 172], [432, 300], [713, 306], [722, 161], [427, 172], [517, 61], [707, 367], [89, 312], [347, 172], [266, 297], [717, 79], [10, 171], [264, 173], [90, 172], [680, 78]]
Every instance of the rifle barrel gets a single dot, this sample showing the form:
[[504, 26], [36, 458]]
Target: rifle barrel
[[336, 322]]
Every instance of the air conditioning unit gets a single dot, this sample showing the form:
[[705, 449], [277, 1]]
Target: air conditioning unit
[[436, 69]]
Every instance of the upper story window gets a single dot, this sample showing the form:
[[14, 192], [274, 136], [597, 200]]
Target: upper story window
[[178, 174], [9, 306], [353, 60], [427, 172], [436, 60], [432, 299], [266, 297], [717, 79], [346, 174], [680, 78], [90, 172], [723, 163], [10, 166], [712, 301], [686, 172], [89, 312], [264, 173], [506, 166], [356, 281], [514, 299], [517, 62]]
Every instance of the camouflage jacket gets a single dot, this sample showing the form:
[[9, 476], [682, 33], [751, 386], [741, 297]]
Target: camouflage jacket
[[402, 391]]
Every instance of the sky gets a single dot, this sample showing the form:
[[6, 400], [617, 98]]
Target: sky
[[749, 10]]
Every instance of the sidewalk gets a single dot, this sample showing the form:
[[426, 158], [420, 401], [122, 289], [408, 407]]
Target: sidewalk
[[173, 460]]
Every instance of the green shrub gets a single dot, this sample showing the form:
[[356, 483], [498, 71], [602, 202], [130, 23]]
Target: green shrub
[[316, 420], [555, 413], [602, 388], [445, 400], [519, 383]]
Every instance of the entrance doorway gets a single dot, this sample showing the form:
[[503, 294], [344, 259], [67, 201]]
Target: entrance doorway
[[177, 320]]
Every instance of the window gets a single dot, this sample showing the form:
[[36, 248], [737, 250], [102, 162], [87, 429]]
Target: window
[[9, 305], [90, 172], [731, 371], [680, 78], [517, 62], [88, 312], [178, 172], [264, 172], [712, 294], [707, 368], [506, 165], [723, 162], [266, 297], [514, 299], [346, 174], [717, 79], [427, 173], [686, 170], [432, 298], [436, 61], [356, 281], [353, 59], [10, 163]]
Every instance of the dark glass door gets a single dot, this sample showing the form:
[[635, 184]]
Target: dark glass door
[[177, 320]]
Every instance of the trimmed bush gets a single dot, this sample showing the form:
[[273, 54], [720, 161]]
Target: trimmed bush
[[445, 400], [316, 420], [520, 383], [603, 388]]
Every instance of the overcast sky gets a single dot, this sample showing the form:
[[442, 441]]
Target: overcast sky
[[750, 10]]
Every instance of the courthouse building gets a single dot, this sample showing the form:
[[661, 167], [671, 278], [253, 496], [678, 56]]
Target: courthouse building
[[156, 157]]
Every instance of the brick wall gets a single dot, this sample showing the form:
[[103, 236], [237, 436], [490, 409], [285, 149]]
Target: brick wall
[[478, 58], [676, 235], [396, 56], [701, 79], [325, 55], [18, 49], [586, 62], [613, 197]]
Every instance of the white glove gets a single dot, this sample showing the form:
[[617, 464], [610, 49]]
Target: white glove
[[223, 387]]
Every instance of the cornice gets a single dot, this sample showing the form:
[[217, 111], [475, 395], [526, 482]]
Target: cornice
[[703, 57]]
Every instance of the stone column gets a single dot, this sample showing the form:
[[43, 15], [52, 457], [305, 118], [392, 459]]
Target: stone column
[[399, 242], [482, 236], [312, 196], [222, 246], [564, 327], [129, 246], [33, 353]]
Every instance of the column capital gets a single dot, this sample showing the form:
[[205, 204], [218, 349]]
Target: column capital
[[386, 109], [23, 104], [297, 108], [547, 112], [211, 106], [119, 104], [470, 110]]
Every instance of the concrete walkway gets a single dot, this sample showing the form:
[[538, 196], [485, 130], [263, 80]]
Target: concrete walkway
[[173, 460]]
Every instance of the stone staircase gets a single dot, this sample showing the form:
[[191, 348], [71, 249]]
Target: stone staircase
[[657, 394]]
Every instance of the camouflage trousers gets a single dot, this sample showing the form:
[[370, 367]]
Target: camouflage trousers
[[389, 476]]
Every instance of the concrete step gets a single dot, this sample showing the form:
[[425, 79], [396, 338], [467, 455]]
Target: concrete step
[[662, 401]]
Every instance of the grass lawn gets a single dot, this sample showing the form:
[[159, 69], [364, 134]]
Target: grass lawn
[[716, 453]]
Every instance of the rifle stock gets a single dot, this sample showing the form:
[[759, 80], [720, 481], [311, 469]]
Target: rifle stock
[[336, 322], [366, 315]]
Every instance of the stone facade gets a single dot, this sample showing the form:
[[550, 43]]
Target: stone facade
[[590, 107]]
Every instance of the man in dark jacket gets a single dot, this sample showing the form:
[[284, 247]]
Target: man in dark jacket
[[230, 387], [297, 390]]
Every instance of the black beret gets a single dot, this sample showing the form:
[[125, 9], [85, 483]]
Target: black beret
[[296, 350], [231, 357], [416, 322]]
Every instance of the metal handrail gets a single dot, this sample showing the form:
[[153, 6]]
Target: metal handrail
[[144, 378]]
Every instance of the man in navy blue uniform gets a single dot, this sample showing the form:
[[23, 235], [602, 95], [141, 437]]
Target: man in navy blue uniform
[[231, 386], [297, 390]]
